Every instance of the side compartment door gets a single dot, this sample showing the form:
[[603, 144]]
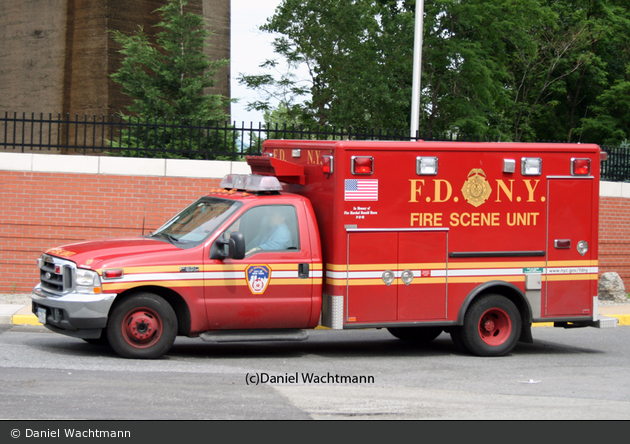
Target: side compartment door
[[569, 274], [422, 257], [396, 276], [372, 267]]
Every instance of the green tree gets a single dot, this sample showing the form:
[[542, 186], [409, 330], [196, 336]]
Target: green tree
[[167, 80], [516, 69]]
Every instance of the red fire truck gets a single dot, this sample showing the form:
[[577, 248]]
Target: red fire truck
[[479, 240]]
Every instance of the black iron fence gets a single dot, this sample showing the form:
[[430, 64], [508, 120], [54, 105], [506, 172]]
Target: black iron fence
[[159, 138]]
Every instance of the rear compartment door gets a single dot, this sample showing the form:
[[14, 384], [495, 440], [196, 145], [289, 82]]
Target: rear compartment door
[[570, 275]]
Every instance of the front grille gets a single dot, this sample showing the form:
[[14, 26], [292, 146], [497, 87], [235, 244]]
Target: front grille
[[55, 274]]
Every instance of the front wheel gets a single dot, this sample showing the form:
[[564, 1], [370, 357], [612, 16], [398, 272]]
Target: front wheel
[[492, 326], [142, 327]]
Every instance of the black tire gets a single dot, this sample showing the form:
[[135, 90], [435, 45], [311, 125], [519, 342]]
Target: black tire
[[144, 326], [492, 326], [456, 336], [419, 335]]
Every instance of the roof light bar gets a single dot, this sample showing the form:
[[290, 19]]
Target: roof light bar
[[251, 182]]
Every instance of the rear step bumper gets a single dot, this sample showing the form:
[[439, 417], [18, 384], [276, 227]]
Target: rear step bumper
[[254, 335], [601, 322]]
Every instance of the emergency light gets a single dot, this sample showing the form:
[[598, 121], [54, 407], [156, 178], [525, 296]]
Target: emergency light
[[251, 182], [580, 167], [531, 166], [362, 165], [426, 166]]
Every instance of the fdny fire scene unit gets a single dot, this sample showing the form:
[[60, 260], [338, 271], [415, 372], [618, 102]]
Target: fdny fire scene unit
[[479, 240]]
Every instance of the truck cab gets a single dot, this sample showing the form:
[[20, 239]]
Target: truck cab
[[233, 260]]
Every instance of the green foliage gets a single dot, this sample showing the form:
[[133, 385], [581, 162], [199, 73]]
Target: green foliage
[[166, 80], [515, 69]]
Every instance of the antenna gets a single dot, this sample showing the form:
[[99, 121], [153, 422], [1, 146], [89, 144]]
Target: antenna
[[580, 138]]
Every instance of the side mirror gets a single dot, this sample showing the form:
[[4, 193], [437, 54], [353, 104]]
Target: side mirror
[[237, 245], [229, 247]]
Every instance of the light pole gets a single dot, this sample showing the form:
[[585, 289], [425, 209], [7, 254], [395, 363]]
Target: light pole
[[417, 68]]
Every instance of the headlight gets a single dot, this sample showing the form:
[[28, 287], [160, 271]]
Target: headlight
[[87, 281]]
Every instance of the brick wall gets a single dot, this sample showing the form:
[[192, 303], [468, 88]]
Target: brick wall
[[614, 237], [50, 200], [42, 208]]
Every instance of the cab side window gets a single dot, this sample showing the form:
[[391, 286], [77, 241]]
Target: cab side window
[[269, 228]]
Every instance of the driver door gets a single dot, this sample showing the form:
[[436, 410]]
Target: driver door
[[268, 288]]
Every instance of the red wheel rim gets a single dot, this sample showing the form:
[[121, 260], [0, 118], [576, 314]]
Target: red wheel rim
[[142, 327], [495, 326]]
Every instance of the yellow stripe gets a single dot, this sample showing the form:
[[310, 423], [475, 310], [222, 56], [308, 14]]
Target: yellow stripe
[[155, 269], [463, 265], [209, 283], [572, 264], [572, 277], [128, 285], [436, 280], [225, 267], [460, 265]]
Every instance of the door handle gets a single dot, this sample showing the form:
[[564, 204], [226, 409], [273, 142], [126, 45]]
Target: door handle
[[303, 271]]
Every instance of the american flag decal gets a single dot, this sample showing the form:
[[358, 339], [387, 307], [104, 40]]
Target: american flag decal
[[361, 189]]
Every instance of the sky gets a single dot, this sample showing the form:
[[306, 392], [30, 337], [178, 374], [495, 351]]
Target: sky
[[250, 47]]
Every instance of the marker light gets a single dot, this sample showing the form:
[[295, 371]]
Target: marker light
[[531, 166], [362, 165], [327, 164], [509, 165], [580, 167], [426, 166], [112, 274]]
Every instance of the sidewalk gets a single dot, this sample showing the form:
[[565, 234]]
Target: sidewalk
[[22, 315]]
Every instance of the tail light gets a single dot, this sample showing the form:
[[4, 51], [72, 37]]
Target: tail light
[[327, 164]]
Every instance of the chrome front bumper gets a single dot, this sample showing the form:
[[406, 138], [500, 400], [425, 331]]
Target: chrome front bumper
[[73, 314]]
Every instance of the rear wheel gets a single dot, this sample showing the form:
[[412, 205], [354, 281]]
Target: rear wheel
[[142, 327], [416, 334], [491, 327]]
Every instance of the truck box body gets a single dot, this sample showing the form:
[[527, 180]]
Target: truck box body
[[468, 225]]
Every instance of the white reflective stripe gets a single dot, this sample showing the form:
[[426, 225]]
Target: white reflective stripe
[[354, 274], [572, 270], [284, 274], [317, 273]]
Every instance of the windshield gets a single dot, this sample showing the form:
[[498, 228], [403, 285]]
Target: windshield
[[198, 221]]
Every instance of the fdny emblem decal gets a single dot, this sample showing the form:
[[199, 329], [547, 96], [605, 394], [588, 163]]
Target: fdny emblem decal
[[476, 190], [258, 277]]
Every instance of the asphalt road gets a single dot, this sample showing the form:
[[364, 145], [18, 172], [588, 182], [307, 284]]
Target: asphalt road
[[566, 374]]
